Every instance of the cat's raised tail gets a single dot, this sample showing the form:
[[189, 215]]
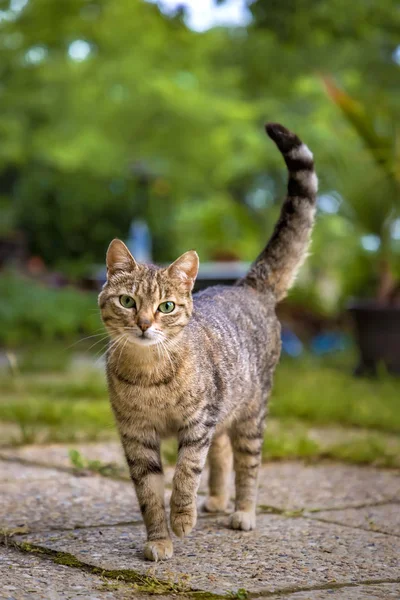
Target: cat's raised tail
[[278, 264]]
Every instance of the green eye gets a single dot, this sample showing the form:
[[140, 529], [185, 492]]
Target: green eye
[[127, 301], [166, 307]]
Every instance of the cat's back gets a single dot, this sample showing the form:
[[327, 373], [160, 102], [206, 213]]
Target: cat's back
[[241, 317], [234, 301]]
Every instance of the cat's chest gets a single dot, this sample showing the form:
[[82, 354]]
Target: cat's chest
[[161, 406]]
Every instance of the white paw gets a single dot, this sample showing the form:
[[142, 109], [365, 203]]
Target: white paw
[[158, 550], [242, 520], [215, 504]]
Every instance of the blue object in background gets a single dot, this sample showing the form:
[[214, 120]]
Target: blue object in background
[[139, 241], [291, 344], [329, 341], [324, 343]]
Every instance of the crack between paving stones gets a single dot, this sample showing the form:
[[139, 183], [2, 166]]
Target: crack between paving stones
[[87, 473], [148, 584], [325, 586], [357, 527], [8, 532], [143, 583], [306, 512], [356, 506], [11, 531], [263, 508], [71, 470]]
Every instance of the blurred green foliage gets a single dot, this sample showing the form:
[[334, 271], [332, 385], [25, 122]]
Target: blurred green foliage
[[359, 422], [30, 312], [112, 110], [382, 215]]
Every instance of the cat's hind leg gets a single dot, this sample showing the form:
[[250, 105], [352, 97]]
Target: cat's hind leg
[[247, 439], [220, 463]]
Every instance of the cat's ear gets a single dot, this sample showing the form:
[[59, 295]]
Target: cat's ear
[[185, 268], [119, 258]]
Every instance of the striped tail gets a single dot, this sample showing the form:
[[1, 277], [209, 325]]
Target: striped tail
[[278, 264]]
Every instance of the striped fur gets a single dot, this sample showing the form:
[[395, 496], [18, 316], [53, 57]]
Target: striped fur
[[203, 372], [278, 264]]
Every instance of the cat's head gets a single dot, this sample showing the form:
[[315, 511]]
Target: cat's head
[[144, 303]]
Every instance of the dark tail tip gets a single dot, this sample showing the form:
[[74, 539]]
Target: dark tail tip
[[283, 138]]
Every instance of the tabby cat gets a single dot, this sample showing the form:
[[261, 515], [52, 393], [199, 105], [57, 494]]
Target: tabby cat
[[200, 367]]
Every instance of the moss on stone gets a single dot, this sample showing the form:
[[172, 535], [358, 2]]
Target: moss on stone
[[142, 583]]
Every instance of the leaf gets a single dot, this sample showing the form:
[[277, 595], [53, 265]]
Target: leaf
[[380, 146], [76, 458]]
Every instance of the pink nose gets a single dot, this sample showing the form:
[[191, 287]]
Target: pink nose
[[144, 324]]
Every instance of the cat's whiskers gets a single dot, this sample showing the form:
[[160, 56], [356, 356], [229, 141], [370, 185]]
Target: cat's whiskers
[[114, 344], [121, 351], [87, 338], [166, 352], [106, 348], [108, 344], [105, 337], [159, 351], [170, 344]]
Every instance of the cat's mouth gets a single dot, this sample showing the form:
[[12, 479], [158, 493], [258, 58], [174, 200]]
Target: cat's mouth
[[137, 337], [144, 338]]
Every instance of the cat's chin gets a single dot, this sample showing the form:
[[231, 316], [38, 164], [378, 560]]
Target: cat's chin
[[143, 341]]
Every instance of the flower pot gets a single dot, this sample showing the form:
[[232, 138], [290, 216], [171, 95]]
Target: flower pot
[[378, 335]]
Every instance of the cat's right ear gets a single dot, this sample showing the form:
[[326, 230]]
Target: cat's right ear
[[119, 258]]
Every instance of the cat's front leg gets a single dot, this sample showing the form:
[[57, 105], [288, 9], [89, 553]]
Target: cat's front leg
[[144, 462], [192, 454]]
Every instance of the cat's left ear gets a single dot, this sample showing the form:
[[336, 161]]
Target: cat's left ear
[[185, 268]]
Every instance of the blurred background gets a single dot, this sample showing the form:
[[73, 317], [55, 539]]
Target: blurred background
[[144, 121]]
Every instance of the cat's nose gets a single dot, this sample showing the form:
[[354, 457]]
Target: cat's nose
[[144, 324]]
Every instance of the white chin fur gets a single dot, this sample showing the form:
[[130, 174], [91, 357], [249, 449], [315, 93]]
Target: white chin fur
[[141, 341]]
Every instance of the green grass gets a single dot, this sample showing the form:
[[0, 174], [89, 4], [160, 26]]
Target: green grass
[[317, 393], [43, 420], [55, 387], [291, 439], [361, 416], [57, 407]]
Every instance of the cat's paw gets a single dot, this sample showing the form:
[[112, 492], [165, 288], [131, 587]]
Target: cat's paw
[[183, 520], [215, 504], [158, 550], [242, 520]]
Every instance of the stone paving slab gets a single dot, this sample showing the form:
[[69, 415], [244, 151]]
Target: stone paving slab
[[39, 498], [11, 471], [58, 454], [284, 485], [385, 518], [66, 501], [383, 591], [28, 577], [294, 485], [284, 553]]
